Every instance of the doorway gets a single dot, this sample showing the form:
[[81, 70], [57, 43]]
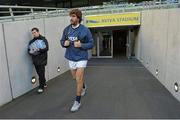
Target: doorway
[[114, 42], [120, 43], [103, 44]]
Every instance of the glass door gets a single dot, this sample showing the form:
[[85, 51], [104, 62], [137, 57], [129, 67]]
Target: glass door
[[105, 45]]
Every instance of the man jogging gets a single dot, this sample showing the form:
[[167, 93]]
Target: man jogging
[[77, 39], [38, 48]]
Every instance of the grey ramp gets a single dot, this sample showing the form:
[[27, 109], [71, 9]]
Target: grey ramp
[[117, 91]]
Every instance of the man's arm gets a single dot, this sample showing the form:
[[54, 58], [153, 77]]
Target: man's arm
[[90, 43], [63, 39], [47, 46]]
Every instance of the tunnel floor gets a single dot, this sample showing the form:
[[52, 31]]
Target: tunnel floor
[[117, 88]]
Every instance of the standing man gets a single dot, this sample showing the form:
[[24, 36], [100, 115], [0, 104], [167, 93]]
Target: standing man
[[38, 48], [77, 40]]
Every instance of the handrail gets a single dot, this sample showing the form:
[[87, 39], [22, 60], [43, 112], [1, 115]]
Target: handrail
[[29, 12], [13, 12], [127, 8], [30, 7]]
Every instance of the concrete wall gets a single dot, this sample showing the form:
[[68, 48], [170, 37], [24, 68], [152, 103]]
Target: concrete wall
[[53, 31], [20, 64], [137, 41], [173, 55], [5, 89], [21, 70], [158, 46]]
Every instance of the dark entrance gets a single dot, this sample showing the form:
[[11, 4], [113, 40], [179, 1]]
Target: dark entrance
[[119, 43]]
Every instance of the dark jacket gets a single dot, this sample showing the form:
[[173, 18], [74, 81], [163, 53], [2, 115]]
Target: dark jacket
[[41, 58]]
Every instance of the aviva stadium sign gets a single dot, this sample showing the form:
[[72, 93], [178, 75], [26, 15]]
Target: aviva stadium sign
[[124, 19]]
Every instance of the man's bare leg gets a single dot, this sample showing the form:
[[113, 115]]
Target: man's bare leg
[[73, 72], [79, 80], [79, 86]]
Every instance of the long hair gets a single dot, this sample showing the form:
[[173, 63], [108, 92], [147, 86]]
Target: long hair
[[78, 13]]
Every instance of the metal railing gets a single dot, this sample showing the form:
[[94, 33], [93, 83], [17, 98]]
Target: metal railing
[[119, 8], [12, 13]]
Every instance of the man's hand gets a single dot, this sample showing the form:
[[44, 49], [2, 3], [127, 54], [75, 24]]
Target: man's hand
[[66, 43], [77, 44]]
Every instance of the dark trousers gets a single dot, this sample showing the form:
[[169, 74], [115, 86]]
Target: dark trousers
[[40, 69]]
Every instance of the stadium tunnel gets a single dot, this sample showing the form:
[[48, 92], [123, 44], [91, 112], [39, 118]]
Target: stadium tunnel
[[114, 35]]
